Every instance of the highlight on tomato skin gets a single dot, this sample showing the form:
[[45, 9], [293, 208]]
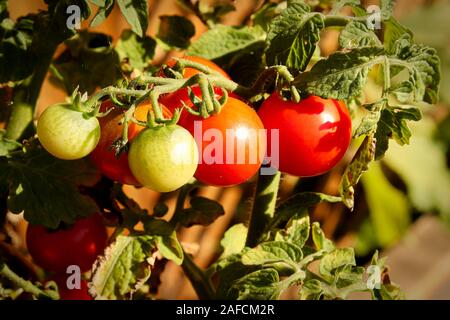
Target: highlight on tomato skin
[[104, 158], [79, 244], [237, 126], [313, 134]]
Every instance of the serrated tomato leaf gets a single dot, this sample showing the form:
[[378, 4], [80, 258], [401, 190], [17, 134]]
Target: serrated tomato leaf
[[124, 267], [175, 32], [223, 40], [104, 10], [203, 211], [138, 51], [342, 75], [293, 36], [46, 189], [136, 14]]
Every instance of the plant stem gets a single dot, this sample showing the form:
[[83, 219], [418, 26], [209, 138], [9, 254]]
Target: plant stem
[[26, 95], [26, 285], [263, 206], [198, 279]]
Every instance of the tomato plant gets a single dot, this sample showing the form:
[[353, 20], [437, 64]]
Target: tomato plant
[[78, 244], [103, 156], [314, 134], [296, 104]]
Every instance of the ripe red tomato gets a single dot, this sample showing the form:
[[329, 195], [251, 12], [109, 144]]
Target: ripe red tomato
[[313, 134], [80, 244], [231, 144], [117, 168], [71, 294]]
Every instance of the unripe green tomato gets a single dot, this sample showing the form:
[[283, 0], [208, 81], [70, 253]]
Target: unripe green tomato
[[163, 159], [66, 133]]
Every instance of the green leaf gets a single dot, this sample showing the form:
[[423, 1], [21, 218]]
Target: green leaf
[[7, 145], [259, 285], [293, 36], [138, 50], [15, 48], [319, 239], [359, 164], [393, 31], [124, 268], [296, 205], [233, 240], [311, 290], [280, 255], [342, 75], [393, 124], [46, 188], [423, 65], [223, 40], [175, 32], [339, 257], [422, 165], [136, 14], [369, 123], [170, 248], [356, 34], [203, 211], [88, 62], [104, 10], [267, 13], [296, 231]]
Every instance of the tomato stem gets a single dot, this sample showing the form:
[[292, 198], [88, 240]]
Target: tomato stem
[[26, 285], [201, 283], [263, 209]]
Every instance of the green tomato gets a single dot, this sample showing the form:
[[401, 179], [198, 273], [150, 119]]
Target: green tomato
[[66, 133], [163, 159]]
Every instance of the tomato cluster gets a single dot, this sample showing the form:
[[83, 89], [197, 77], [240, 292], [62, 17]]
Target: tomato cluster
[[224, 149]]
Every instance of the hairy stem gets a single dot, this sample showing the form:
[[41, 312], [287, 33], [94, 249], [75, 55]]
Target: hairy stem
[[25, 97], [26, 285], [202, 285], [263, 206]]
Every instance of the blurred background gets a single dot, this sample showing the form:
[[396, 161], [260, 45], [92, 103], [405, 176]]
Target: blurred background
[[402, 203]]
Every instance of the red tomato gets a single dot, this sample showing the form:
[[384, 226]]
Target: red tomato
[[117, 168], [80, 244], [313, 134], [71, 294], [231, 144]]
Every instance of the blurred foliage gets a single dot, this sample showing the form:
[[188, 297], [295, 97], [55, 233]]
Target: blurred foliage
[[431, 26]]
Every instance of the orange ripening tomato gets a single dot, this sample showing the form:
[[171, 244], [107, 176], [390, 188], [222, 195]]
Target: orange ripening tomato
[[103, 157], [231, 144]]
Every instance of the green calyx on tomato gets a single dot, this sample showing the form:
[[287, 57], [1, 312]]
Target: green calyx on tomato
[[314, 134], [163, 158], [67, 133]]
